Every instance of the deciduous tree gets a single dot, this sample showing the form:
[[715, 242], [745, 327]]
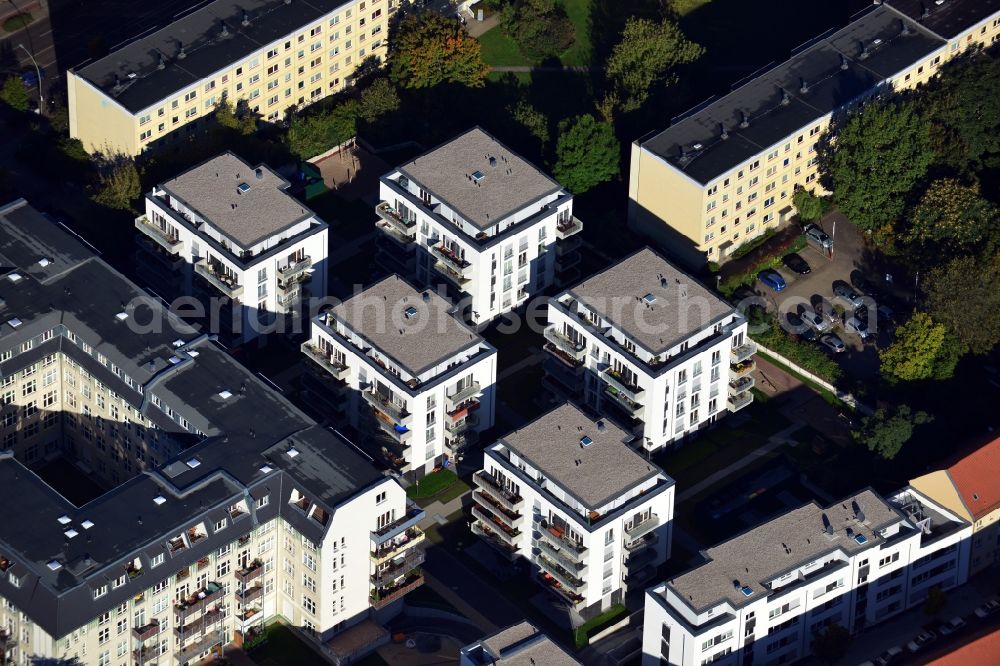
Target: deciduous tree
[[14, 94], [586, 153], [311, 135], [644, 57], [950, 219], [963, 295], [120, 184], [428, 49], [541, 28], [809, 206], [533, 120], [378, 99], [923, 349], [887, 430]]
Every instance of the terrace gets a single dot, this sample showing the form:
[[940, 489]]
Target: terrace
[[490, 537], [568, 227], [408, 539], [501, 495], [214, 273], [326, 360], [385, 596], [168, 240], [197, 601]]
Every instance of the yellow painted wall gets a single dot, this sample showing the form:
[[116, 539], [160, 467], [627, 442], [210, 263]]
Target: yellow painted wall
[[938, 487], [98, 121]]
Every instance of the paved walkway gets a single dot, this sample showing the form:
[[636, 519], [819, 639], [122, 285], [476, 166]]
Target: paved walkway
[[477, 28]]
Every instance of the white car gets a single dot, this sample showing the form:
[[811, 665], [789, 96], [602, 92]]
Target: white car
[[951, 626], [858, 327], [818, 323], [987, 609], [889, 656], [920, 640]]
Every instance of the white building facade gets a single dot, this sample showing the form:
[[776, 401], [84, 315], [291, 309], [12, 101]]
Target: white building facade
[[229, 233], [477, 218], [565, 493], [400, 366], [761, 597], [646, 345]]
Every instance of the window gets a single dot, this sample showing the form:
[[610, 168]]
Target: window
[[309, 605], [101, 591], [190, 96]]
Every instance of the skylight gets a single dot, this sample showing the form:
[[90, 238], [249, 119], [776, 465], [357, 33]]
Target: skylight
[[478, 176], [194, 462], [266, 469], [225, 395], [586, 441], [14, 323], [70, 533], [64, 520], [293, 452], [54, 565], [121, 316], [410, 312], [243, 188], [15, 277], [87, 524], [159, 500], [43, 262], [649, 298]]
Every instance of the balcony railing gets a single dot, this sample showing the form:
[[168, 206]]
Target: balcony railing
[[636, 545], [204, 623], [566, 593], [490, 537], [146, 631], [643, 528], [168, 241], [567, 228], [511, 519], [391, 409], [631, 391], [741, 369], [463, 425], [385, 597], [640, 558], [253, 571], [504, 497], [573, 348], [632, 408], [406, 227], [565, 578], [407, 540], [326, 361], [744, 383], [294, 269], [557, 537], [558, 555], [451, 274], [739, 401], [640, 576], [144, 653], [193, 650], [414, 514], [566, 261], [400, 566], [224, 283], [452, 260], [509, 535], [455, 400], [573, 362], [197, 601], [249, 595], [743, 352]]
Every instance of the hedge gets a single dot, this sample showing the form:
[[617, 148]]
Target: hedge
[[733, 282], [581, 635], [809, 356]]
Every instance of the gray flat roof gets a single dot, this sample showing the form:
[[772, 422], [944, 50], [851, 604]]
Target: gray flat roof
[[525, 645], [872, 47], [259, 210], [760, 554], [948, 19], [680, 305], [596, 473], [447, 172], [417, 342], [206, 50]]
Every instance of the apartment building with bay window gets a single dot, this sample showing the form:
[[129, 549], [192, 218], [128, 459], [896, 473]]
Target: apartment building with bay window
[[399, 365], [265, 55], [170, 503], [592, 517], [229, 234], [725, 172], [646, 345], [473, 216], [760, 597]]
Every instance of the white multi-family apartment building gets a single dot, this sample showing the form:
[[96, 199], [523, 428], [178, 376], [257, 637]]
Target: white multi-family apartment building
[[478, 218], [231, 234], [401, 367], [761, 596], [518, 645], [592, 516], [647, 345], [216, 506]]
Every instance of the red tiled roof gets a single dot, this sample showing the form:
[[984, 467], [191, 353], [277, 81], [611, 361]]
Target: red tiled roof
[[983, 650], [975, 477]]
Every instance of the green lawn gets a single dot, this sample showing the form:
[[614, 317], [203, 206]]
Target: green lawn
[[684, 7], [440, 486], [582, 634], [284, 647], [500, 50], [17, 21]]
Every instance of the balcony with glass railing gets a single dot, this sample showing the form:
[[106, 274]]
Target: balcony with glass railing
[[457, 399], [578, 567], [408, 539], [392, 219], [739, 370], [565, 578], [643, 528], [744, 383], [380, 598], [568, 227], [490, 536], [504, 497], [452, 275], [326, 360], [414, 514], [574, 598], [168, 240], [456, 263], [396, 412], [574, 349], [632, 391], [508, 534], [739, 401], [556, 536], [218, 278], [743, 352], [390, 571], [295, 270], [512, 519], [632, 408]]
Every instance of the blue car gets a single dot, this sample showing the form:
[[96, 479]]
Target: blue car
[[772, 279]]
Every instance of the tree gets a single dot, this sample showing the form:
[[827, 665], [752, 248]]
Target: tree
[[830, 645], [642, 60], [120, 184], [311, 135], [531, 119], [886, 431], [809, 206], [378, 99], [950, 219], [586, 153], [429, 49], [237, 120], [541, 28], [923, 349], [14, 94], [874, 159], [963, 295]]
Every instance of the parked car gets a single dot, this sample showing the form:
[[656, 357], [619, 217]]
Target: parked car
[[833, 343], [857, 326], [796, 263], [845, 292], [819, 323], [30, 78], [987, 609], [889, 656], [921, 640], [951, 626], [772, 279], [818, 236]]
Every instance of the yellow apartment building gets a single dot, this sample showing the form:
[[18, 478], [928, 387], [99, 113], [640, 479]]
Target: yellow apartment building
[[969, 488], [271, 54], [725, 172]]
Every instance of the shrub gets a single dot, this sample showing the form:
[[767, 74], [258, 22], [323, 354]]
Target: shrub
[[17, 21], [773, 260], [752, 244], [541, 28], [581, 636], [807, 356]]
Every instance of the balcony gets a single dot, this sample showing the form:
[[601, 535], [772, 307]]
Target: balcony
[[564, 577], [192, 651], [511, 519], [448, 257], [452, 275], [147, 631], [640, 577], [457, 399], [572, 348], [567, 228], [490, 537], [643, 528], [557, 555], [633, 409], [636, 545], [462, 425], [253, 571], [382, 598], [224, 283], [197, 601], [640, 558], [407, 540], [743, 352], [326, 360], [289, 294], [249, 616], [396, 412], [566, 261], [295, 271], [556, 536], [165, 239], [144, 654], [739, 401], [507, 534], [741, 369], [249, 595], [205, 623], [630, 391], [569, 360], [414, 514], [394, 220], [569, 595], [744, 383], [504, 497], [400, 566]]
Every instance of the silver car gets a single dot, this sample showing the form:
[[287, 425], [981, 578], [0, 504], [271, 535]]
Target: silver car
[[858, 327], [817, 322], [818, 236], [845, 292]]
